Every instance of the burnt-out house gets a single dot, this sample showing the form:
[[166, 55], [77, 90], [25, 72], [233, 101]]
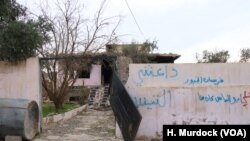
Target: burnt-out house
[[93, 83]]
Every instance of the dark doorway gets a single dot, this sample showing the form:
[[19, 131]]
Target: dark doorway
[[106, 72]]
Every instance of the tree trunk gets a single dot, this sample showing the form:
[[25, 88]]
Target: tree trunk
[[58, 105], [59, 101]]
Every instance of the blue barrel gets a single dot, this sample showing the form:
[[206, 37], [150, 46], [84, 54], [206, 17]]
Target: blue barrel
[[19, 117]]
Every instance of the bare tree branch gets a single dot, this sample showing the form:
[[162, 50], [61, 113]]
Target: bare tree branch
[[72, 33]]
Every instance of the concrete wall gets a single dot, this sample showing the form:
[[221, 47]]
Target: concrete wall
[[189, 94], [122, 64], [21, 81], [95, 77]]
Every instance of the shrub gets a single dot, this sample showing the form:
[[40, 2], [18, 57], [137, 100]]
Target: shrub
[[19, 41]]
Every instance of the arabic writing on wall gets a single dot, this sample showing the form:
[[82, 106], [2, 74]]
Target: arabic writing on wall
[[226, 98], [159, 100], [151, 72], [171, 74], [204, 80]]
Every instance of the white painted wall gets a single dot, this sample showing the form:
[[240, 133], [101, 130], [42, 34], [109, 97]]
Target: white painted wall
[[189, 94], [95, 77], [22, 81]]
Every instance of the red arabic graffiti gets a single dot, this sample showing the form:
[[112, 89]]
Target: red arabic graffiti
[[245, 96], [242, 99]]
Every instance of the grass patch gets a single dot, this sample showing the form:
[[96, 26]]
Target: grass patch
[[49, 108]]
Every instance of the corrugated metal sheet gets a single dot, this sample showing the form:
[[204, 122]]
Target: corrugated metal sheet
[[126, 113]]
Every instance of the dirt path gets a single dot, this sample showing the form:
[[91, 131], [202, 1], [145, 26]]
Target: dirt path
[[91, 125]]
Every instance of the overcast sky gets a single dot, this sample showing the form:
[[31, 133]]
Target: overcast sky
[[180, 26]]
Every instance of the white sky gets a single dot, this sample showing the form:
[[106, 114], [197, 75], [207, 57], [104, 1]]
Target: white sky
[[180, 26]]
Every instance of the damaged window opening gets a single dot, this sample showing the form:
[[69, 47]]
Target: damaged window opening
[[84, 74]]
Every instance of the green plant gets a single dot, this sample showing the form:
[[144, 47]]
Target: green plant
[[20, 36], [19, 41], [49, 108], [244, 54], [139, 52], [213, 56]]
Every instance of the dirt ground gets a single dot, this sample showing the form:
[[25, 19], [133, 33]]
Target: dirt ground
[[90, 125]]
